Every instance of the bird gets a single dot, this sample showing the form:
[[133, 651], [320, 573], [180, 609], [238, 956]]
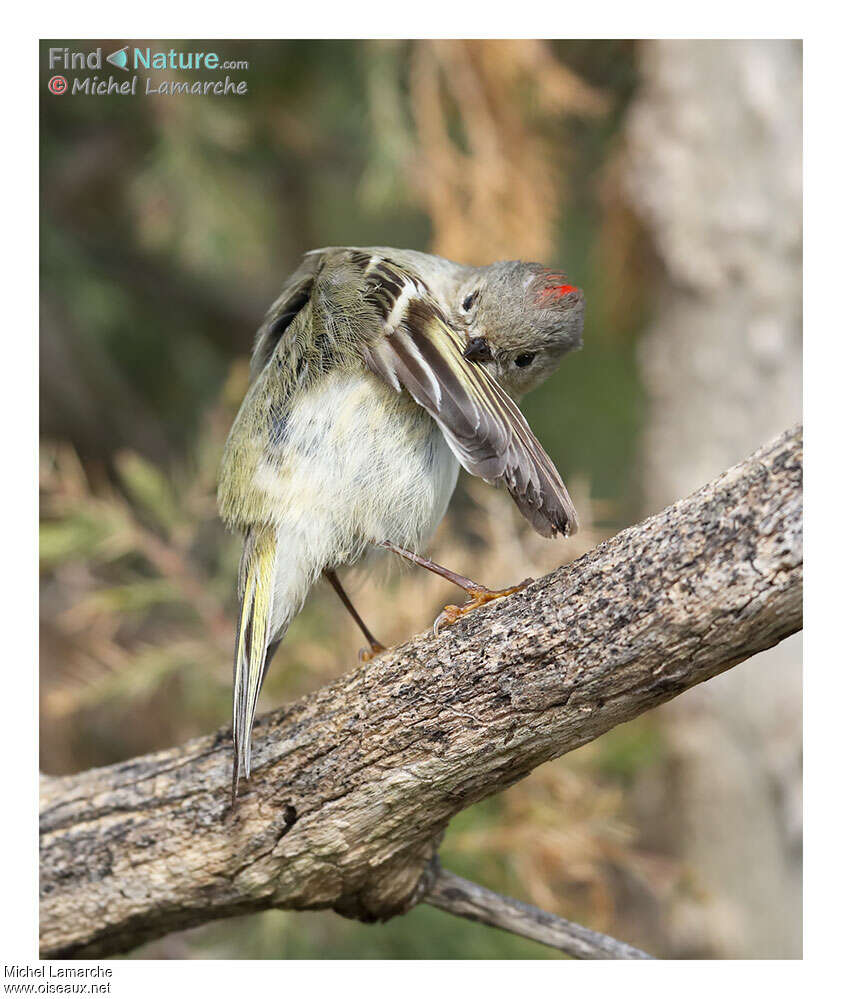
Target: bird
[[375, 375]]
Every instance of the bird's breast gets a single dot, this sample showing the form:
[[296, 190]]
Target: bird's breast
[[367, 462]]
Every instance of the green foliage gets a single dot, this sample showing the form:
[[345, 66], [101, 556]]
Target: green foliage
[[629, 750], [150, 490]]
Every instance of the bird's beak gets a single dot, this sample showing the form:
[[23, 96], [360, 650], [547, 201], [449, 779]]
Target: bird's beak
[[477, 349]]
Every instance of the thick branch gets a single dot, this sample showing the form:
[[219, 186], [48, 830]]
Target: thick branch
[[453, 894], [354, 785]]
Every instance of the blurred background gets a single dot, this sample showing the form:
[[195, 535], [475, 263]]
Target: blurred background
[[665, 178]]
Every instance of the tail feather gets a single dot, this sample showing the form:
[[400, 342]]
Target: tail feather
[[254, 636]]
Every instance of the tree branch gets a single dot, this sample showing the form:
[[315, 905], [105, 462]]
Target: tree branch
[[453, 894], [354, 785]]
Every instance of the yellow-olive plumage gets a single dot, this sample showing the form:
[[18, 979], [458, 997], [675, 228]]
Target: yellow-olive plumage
[[376, 373]]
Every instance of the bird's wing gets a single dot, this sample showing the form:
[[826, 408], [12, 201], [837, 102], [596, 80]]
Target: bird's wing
[[285, 359], [419, 350], [295, 295]]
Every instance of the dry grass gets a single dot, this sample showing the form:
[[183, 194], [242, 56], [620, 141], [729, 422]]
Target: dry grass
[[474, 131]]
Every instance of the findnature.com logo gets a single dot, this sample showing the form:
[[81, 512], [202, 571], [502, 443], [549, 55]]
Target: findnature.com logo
[[131, 59]]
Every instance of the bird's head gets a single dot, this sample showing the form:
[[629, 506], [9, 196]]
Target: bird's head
[[520, 319]]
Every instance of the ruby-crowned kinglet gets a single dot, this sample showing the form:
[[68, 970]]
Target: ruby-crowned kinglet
[[374, 376]]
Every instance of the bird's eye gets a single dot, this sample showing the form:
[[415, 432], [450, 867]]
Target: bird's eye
[[524, 360], [469, 301]]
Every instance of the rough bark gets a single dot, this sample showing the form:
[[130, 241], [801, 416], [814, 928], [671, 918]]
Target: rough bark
[[354, 785]]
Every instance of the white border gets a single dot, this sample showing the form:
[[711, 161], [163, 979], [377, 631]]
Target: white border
[[822, 367]]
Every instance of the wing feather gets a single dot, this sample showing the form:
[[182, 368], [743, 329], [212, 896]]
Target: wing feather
[[420, 351]]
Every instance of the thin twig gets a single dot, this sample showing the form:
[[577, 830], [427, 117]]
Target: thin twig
[[460, 897]]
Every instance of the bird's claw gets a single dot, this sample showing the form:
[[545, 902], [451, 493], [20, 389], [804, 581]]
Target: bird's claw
[[366, 655], [450, 614], [479, 596]]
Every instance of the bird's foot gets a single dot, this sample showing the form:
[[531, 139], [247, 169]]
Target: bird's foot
[[479, 595], [372, 652]]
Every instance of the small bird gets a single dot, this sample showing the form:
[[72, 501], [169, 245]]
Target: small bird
[[375, 375]]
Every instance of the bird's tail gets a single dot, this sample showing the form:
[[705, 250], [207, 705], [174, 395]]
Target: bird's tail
[[255, 638]]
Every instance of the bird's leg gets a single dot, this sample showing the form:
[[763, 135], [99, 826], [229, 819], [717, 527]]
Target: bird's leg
[[478, 593], [375, 648]]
